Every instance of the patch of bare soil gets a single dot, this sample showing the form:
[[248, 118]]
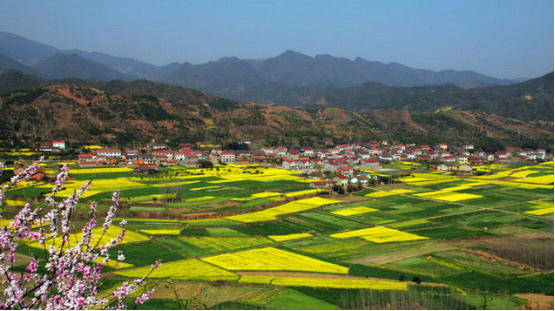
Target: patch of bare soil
[[165, 290], [67, 94], [495, 258], [536, 302]]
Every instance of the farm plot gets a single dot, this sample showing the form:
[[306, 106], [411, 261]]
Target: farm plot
[[288, 208], [189, 269], [381, 194], [214, 245], [483, 220], [451, 233], [272, 259], [333, 249], [145, 254], [273, 228], [288, 237], [424, 266], [324, 223], [339, 283], [354, 211], [379, 235], [98, 235], [541, 208]]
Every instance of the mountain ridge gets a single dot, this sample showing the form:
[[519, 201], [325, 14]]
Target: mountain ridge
[[289, 67], [80, 114]]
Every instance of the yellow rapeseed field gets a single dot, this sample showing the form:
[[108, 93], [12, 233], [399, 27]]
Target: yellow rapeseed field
[[354, 211], [189, 269], [100, 170], [287, 208], [13, 203], [161, 232], [97, 186], [542, 211], [287, 237], [112, 233], [273, 259], [379, 235], [379, 194], [6, 222], [339, 283], [204, 188], [302, 192], [112, 263], [454, 197]]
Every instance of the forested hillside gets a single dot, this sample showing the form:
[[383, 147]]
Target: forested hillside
[[122, 113]]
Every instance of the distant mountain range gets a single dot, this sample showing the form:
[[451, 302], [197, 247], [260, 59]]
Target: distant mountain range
[[290, 68]]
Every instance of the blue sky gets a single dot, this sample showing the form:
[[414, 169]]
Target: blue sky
[[504, 39]]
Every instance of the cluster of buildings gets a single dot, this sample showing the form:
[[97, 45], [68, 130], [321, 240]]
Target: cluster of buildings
[[343, 159]]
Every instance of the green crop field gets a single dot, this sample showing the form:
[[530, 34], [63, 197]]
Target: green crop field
[[442, 241]]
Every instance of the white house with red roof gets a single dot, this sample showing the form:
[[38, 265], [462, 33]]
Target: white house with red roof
[[87, 159], [290, 165], [281, 151], [308, 151], [343, 146], [346, 170], [159, 154], [268, 150], [318, 184]]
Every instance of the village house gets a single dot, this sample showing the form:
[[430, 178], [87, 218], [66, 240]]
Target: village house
[[462, 158], [347, 171], [160, 154], [490, 156], [532, 156], [131, 153], [445, 167], [268, 151], [307, 151], [318, 184], [370, 164], [227, 157], [449, 159], [87, 160], [468, 146], [293, 155], [281, 151], [59, 144], [343, 146], [341, 180], [290, 165], [465, 169], [109, 153], [46, 147]]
